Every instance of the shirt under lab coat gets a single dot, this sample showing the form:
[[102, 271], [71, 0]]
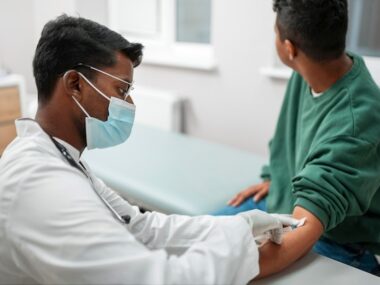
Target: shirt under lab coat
[[54, 229]]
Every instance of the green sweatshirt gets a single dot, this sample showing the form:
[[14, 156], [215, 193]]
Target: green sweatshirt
[[325, 156]]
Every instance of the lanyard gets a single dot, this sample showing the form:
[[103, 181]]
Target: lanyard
[[123, 219]]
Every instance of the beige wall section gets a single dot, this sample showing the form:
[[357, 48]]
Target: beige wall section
[[234, 105]]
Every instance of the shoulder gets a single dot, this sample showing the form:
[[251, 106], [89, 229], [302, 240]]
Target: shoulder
[[295, 88], [296, 81], [34, 160], [36, 180], [364, 100]]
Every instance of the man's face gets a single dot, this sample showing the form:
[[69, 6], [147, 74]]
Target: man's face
[[94, 103]]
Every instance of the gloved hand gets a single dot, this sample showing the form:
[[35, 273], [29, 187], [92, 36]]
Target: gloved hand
[[266, 225]]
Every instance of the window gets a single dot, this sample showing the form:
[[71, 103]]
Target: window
[[193, 21], [363, 37], [174, 32]]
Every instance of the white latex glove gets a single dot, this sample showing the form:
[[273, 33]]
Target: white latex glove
[[268, 226], [288, 220]]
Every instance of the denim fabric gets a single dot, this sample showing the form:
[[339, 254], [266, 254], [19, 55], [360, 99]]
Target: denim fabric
[[352, 254], [247, 205]]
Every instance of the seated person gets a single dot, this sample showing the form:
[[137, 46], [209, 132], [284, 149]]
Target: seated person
[[325, 153]]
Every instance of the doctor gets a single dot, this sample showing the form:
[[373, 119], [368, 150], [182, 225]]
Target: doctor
[[59, 224]]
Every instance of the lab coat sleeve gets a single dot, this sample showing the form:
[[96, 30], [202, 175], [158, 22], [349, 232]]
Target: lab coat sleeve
[[60, 232], [156, 230]]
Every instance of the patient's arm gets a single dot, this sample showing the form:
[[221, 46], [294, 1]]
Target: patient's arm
[[296, 244]]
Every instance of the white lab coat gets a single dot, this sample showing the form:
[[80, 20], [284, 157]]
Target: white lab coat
[[54, 229]]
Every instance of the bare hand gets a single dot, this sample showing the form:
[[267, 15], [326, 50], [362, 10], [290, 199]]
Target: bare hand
[[257, 192]]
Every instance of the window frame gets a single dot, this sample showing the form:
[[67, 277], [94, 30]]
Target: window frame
[[162, 48]]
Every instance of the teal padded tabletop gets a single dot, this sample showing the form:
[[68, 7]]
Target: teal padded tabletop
[[175, 173]]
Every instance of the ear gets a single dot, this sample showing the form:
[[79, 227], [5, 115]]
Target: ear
[[291, 50], [72, 84]]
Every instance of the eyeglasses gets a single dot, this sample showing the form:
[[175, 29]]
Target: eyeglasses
[[130, 84]]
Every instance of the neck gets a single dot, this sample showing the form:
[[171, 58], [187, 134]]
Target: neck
[[55, 122], [322, 75]]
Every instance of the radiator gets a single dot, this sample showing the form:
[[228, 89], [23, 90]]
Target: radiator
[[158, 108]]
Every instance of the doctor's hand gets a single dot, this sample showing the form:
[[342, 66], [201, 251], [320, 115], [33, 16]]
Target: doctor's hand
[[270, 226], [257, 192]]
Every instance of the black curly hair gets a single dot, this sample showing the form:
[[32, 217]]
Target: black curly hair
[[317, 27]]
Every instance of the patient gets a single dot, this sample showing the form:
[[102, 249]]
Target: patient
[[325, 154]]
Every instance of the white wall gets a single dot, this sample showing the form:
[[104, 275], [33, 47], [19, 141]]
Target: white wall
[[234, 105], [17, 37]]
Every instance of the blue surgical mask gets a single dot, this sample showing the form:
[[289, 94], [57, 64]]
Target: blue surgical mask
[[117, 128]]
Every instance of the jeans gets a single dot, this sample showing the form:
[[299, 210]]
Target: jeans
[[247, 205], [352, 255]]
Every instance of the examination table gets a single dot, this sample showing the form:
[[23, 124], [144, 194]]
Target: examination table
[[174, 173]]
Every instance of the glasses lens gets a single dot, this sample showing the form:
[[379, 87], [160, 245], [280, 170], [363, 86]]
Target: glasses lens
[[128, 92]]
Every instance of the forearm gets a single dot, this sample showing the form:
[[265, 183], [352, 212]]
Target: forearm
[[274, 258]]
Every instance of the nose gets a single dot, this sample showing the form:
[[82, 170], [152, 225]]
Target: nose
[[129, 99]]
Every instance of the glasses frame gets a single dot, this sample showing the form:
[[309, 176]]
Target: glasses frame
[[130, 84]]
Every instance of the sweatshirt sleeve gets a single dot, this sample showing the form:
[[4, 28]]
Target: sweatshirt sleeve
[[265, 173], [338, 179], [265, 170]]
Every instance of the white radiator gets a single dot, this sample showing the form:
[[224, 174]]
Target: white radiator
[[158, 108]]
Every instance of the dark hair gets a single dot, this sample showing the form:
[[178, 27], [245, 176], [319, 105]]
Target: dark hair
[[67, 41], [317, 27]]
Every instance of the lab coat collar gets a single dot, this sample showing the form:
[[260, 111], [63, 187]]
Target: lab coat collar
[[75, 154], [28, 127]]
